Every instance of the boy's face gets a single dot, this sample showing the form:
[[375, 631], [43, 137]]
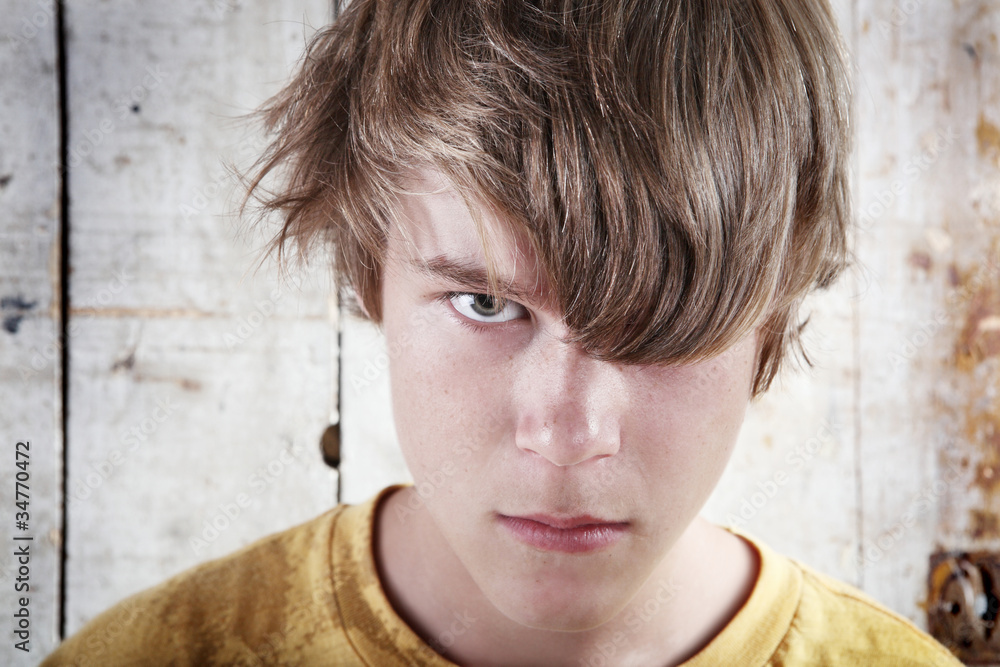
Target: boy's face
[[517, 440]]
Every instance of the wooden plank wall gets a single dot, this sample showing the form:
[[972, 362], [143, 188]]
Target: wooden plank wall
[[30, 299], [193, 383], [927, 196], [198, 391]]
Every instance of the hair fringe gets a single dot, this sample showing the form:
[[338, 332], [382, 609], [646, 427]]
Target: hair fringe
[[679, 168]]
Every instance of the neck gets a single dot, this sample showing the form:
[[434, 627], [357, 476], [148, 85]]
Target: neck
[[689, 598]]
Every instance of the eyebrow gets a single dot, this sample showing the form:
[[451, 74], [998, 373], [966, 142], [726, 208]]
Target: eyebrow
[[472, 276]]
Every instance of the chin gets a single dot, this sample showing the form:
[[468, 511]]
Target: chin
[[556, 606]]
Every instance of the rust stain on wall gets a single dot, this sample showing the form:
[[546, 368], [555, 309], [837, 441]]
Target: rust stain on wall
[[184, 383], [983, 524], [954, 280], [983, 429], [980, 335], [974, 365], [988, 137], [920, 260]]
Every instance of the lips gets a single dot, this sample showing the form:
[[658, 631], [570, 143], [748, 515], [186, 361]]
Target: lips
[[581, 534]]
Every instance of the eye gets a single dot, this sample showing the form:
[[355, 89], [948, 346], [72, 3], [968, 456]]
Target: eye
[[486, 308]]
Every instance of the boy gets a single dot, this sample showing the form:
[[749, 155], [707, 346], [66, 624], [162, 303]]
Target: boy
[[585, 229]]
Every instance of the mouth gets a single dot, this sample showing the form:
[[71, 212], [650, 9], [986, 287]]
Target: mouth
[[580, 534]]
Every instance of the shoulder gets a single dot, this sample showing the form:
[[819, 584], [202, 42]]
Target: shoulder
[[836, 623], [259, 602]]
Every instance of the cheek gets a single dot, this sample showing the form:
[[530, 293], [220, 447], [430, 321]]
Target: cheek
[[445, 404], [682, 463], [696, 421]]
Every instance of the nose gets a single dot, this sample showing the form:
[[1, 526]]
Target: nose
[[569, 404]]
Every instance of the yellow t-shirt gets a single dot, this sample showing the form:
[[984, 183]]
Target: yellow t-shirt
[[311, 596]]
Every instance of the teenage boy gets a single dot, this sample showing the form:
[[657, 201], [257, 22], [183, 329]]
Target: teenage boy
[[585, 229]]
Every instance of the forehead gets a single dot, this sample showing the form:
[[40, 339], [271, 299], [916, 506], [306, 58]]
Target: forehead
[[434, 228], [433, 219]]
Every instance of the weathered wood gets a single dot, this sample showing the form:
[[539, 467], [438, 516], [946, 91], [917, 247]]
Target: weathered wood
[[371, 459], [30, 378], [198, 395], [929, 106]]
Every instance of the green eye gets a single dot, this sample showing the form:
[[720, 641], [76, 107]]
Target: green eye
[[486, 308]]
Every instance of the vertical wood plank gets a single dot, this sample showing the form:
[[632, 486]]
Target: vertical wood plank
[[30, 350], [371, 458], [198, 389], [930, 357]]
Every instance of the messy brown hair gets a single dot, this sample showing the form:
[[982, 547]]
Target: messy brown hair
[[680, 167]]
